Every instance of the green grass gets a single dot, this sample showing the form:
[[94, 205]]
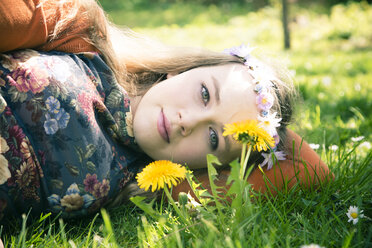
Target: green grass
[[331, 57]]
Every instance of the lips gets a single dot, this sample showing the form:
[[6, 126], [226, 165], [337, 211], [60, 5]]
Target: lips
[[163, 126]]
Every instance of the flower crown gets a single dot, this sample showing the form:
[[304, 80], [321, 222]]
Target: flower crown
[[263, 79]]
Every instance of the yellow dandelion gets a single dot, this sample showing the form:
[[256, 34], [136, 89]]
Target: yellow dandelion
[[159, 173], [249, 132]]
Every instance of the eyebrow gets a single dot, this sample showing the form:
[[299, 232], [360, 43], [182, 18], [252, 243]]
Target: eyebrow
[[217, 90]]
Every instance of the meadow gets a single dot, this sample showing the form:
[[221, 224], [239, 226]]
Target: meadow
[[331, 63]]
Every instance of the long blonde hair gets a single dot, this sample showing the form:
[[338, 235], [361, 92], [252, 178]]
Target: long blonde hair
[[139, 62]]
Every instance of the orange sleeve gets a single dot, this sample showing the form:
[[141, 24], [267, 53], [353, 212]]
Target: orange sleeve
[[302, 165], [22, 25], [28, 24]]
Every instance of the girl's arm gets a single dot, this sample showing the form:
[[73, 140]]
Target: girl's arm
[[302, 165], [29, 24]]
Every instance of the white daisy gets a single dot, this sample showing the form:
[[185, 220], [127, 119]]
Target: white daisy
[[314, 146], [270, 123], [311, 246], [365, 145], [278, 155], [333, 147], [357, 139], [354, 214]]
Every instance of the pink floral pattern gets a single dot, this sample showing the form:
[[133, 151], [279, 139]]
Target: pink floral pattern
[[28, 78], [86, 102]]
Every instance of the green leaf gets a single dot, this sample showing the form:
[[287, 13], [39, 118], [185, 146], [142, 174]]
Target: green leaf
[[58, 184], [235, 171], [114, 99], [211, 159], [91, 166], [308, 202], [202, 194], [146, 207], [90, 151], [212, 174], [72, 169], [80, 153], [17, 96], [236, 189]]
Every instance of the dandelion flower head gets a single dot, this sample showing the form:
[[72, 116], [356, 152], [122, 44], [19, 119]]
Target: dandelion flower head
[[251, 133], [160, 173]]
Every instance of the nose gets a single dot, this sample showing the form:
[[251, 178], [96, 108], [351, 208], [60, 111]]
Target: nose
[[188, 122]]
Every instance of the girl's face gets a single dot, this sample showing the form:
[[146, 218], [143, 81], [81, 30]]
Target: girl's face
[[182, 118]]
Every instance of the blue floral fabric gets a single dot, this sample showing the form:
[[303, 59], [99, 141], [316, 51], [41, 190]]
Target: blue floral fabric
[[66, 142]]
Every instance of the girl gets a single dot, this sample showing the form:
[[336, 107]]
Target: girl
[[84, 113]]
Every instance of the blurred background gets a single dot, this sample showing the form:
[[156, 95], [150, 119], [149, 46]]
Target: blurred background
[[330, 54]]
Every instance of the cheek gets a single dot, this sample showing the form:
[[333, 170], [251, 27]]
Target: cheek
[[192, 154]]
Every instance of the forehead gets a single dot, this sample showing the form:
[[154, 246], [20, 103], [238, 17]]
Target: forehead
[[236, 91], [232, 75]]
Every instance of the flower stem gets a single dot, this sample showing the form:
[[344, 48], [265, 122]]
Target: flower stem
[[242, 156], [246, 157], [170, 199]]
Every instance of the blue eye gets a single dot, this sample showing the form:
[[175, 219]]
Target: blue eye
[[204, 94], [213, 139]]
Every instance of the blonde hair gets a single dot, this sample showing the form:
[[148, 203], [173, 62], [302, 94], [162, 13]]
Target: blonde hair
[[138, 62]]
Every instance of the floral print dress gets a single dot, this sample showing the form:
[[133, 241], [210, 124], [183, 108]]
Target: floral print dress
[[66, 143]]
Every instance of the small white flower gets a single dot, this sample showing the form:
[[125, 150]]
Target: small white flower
[[270, 123], [243, 51], [311, 246], [97, 239], [357, 139], [314, 146], [366, 145], [333, 147], [191, 202], [354, 214], [278, 155]]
